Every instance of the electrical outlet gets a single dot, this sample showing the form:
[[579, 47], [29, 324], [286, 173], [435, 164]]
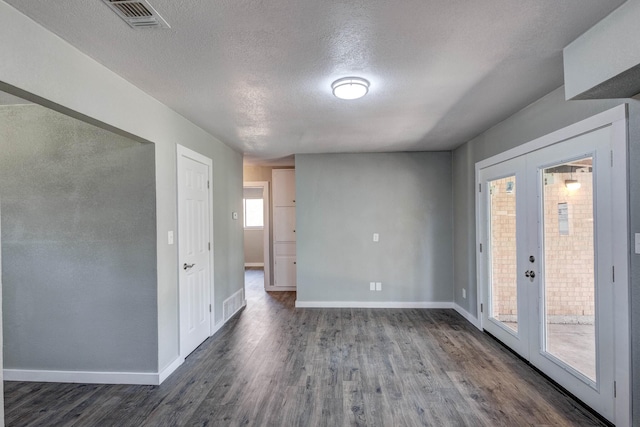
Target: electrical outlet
[[378, 286], [464, 293], [372, 286], [170, 237]]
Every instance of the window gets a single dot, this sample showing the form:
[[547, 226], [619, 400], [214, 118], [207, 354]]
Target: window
[[253, 213]]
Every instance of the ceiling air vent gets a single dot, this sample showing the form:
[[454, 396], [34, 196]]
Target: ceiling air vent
[[138, 14]]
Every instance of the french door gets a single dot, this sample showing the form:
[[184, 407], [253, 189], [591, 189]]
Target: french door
[[546, 222]]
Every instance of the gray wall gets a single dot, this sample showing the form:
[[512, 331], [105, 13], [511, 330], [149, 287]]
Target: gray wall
[[542, 117], [342, 199], [78, 245]]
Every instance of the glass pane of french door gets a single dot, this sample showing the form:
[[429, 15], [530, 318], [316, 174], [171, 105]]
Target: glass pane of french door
[[569, 331], [503, 266]]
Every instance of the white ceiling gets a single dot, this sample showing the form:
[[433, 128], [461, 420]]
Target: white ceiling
[[257, 74]]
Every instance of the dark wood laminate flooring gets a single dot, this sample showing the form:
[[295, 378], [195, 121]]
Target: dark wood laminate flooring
[[274, 365]]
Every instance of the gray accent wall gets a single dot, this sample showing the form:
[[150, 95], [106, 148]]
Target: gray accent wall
[[342, 199], [78, 245], [546, 115]]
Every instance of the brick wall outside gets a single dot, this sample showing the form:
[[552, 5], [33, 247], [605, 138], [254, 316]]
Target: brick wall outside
[[569, 261], [503, 249]]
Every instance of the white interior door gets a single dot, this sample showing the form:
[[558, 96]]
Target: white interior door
[[546, 224], [194, 219]]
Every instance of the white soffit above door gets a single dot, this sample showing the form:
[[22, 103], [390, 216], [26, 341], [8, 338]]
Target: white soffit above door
[[257, 74]]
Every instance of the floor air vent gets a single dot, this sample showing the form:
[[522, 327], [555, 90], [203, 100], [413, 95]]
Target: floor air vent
[[232, 304], [138, 14]]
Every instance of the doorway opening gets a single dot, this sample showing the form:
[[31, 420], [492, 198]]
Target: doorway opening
[[255, 205]]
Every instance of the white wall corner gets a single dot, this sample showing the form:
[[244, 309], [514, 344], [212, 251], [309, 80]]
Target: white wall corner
[[169, 369]]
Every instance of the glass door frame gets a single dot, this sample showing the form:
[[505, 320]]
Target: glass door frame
[[616, 118]]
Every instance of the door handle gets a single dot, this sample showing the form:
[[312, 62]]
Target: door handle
[[530, 274], [187, 266]]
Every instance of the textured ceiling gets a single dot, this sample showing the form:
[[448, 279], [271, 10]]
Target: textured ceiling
[[257, 74]]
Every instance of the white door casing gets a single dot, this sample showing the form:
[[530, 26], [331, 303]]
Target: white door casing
[[602, 137], [194, 252]]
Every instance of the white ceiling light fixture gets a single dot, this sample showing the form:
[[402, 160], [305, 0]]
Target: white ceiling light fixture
[[350, 88]]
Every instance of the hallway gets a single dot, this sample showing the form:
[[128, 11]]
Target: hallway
[[275, 365]]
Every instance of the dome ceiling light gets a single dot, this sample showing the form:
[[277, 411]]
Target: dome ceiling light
[[350, 88]]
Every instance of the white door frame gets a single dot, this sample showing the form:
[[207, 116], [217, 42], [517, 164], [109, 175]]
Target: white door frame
[[266, 235], [182, 151], [617, 119]]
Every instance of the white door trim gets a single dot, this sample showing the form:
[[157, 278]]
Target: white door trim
[[266, 229], [617, 119], [182, 151]]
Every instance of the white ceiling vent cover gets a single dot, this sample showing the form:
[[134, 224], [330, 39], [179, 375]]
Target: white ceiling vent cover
[[138, 14]]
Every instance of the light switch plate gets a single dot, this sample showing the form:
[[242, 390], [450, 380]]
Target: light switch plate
[[170, 237], [378, 286], [372, 286], [638, 243], [376, 237]]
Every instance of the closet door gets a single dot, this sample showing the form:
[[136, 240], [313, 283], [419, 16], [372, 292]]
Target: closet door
[[284, 224], [284, 187], [284, 228]]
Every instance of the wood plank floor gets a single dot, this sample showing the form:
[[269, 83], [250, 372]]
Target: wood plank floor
[[275, 365]]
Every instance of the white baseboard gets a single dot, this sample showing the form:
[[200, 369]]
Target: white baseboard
[[280, 289], [138, 378], [372, 304], [468, 316], [254, 264]]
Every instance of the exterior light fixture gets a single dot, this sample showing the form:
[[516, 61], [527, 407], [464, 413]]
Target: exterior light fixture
[[571, 184], [350, 88]]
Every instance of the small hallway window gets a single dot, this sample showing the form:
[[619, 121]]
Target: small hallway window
[[253, 213]]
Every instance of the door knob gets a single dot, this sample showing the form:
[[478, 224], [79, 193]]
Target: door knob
[[187, 266], [530, 274]]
